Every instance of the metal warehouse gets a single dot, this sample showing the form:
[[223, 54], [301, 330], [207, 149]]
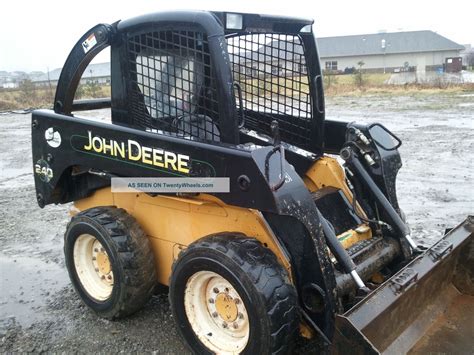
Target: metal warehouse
[[388, 52]]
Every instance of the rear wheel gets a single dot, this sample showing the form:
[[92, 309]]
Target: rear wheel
[[93, 268], [229, 295], [109, 261]]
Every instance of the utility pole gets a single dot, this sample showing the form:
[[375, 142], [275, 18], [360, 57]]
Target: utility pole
[[49, 84], [383, 49]]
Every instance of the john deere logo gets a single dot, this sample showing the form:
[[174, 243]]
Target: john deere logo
[[133, 151], [53, 137]]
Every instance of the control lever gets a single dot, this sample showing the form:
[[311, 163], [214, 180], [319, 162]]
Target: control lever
[[241, 105], [275, 128], [276, 147]]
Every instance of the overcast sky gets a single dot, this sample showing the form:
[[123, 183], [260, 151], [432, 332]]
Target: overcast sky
[[38, 34]]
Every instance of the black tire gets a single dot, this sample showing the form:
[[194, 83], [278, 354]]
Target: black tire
[[262, 283], [130, 256]]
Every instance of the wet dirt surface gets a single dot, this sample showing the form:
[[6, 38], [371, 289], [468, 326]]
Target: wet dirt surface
[[39, 311]]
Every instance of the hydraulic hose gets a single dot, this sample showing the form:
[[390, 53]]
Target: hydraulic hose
[[341, 255], [393, 218], [354, 208]]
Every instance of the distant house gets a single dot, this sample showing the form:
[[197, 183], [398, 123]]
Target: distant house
[[7, 80], [282, 57], [98, 73], [9, 85], [10, 80], [388, 52]]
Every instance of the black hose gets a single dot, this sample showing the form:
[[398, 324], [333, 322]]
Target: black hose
[[341, 255]]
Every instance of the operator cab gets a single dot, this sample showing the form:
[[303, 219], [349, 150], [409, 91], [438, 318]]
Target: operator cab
[[214, 76]]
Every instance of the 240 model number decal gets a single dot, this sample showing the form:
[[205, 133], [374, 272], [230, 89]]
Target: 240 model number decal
[[43, 170]]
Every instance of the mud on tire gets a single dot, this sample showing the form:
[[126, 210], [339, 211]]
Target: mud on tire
[[131, 260], [260, 281]]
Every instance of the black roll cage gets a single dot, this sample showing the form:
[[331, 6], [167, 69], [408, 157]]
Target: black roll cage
[[212, 23]]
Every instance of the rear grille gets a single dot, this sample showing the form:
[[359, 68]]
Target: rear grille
[[271, 70]]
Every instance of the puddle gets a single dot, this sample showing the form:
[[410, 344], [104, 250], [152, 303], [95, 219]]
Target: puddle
[[26, 284]]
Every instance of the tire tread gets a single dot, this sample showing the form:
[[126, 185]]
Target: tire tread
[[135, 254], [269, 278]]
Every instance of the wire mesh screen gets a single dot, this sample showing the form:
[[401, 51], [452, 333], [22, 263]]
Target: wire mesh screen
[[272, 73], [172, 86]]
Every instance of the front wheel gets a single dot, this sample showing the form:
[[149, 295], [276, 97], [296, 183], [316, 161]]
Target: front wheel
[[229, 295]]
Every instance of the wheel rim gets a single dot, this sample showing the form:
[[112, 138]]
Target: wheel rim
[[216, 313], [93, 267]]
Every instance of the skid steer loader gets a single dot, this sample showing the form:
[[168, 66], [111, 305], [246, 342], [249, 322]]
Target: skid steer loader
[[310, 238]]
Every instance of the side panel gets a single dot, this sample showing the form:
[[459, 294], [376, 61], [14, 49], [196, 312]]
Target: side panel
[[326, 172], [61, 168], [172, 223]]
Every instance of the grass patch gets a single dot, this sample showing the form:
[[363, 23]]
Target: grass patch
[[30, 96], [375, 84]]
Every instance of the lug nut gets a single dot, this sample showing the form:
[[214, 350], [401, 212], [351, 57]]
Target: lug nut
[[96, 250], [224, 325], [216, 290], [215, 314], [241, 316], [94, 258], [237, 301], [103, 277], [96, 269], [109, 277], [211, 300], [235, 325]]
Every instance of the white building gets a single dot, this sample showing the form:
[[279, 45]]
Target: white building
[[387, 52], [98, 73]]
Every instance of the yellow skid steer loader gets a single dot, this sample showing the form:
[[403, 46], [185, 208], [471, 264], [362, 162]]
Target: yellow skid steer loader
[[309, 239]]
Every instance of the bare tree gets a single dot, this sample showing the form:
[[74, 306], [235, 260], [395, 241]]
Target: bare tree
[[93, 89], [470, 59], [359, 77], [27, 90], [330, 78]]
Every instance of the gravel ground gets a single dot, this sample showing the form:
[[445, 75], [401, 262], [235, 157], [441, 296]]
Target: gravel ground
[[39, 311]]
